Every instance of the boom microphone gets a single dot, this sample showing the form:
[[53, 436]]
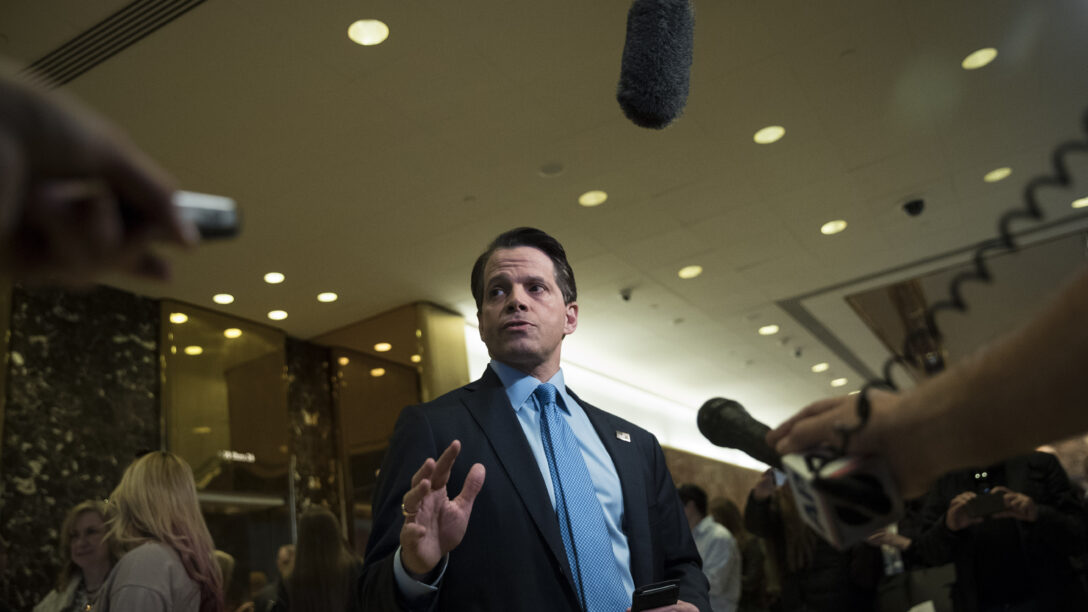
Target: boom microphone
[[656, 66], [726, 423]]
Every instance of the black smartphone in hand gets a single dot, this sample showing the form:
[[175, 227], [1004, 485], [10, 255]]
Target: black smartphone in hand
[[655, 595], [985, 504]]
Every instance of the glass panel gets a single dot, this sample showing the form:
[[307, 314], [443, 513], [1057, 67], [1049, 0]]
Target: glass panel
[[225, 412], [371, 393]]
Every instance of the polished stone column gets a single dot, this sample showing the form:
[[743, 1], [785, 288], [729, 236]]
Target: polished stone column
[[81, 399]]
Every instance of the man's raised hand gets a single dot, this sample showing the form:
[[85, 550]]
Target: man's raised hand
[[433, 523]]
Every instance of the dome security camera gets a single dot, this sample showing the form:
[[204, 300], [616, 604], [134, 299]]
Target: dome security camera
[[914, 207]]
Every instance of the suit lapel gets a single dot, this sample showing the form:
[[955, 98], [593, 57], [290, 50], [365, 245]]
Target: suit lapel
[[491, 409], [626, 459]]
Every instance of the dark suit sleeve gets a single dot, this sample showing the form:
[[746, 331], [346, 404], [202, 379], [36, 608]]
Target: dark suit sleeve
[[1062, 519], [762, 518], [934, 543], [679, 556], [412, 443]]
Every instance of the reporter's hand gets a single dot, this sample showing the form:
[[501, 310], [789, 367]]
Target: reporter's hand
[[765, 487], [815, 426], [66, 175], [435, 524], [957, 518], [1020, 506], [679, 606], [887, 538]]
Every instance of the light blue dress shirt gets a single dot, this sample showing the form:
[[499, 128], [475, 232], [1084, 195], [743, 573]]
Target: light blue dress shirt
[[519, 389]]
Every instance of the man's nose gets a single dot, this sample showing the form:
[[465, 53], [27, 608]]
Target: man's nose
[[516, 300]]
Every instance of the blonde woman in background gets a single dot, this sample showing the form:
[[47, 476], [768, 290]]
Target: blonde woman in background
[[168, 563], [87, 560]]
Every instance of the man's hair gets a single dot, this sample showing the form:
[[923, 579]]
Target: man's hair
[[527, 237], [693, 493]]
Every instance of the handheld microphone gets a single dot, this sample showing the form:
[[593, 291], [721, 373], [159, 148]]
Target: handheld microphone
[[726, 423], [656, 66], [842, 498]]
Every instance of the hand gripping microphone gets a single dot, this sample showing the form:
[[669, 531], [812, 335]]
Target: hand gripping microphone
[[843, 498], [656, 66]]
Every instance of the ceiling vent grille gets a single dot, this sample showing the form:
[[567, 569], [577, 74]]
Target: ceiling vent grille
[[104, 40]]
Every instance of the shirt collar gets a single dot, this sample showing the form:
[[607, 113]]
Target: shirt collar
[[704, 525], [520, 386]]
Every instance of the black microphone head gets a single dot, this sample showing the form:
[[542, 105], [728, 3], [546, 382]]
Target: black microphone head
[[656, 66], [726, 423]]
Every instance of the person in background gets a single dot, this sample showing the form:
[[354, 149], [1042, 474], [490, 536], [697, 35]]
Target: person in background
[[1014, 555], [168, 563], [86, 560], [265, 598], [235, 592], [717, 546], [753, 571], [77, 199], [258, 580], [815, 577], [325, 570]]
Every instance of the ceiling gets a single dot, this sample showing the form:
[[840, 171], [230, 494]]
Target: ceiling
[[381, 172]]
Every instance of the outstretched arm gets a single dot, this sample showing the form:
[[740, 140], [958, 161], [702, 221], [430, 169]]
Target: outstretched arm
[[76, 197], [1024, 390]]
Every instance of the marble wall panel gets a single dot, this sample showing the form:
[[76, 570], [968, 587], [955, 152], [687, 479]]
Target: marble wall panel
[[81, 399]]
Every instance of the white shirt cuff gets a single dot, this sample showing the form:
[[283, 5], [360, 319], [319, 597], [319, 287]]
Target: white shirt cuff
[[411, 588]]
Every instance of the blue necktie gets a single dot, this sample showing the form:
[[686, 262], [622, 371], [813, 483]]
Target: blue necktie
[[581, 517]]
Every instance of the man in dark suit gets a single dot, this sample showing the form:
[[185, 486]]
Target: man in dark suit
[[1016, 554], [578, 508]]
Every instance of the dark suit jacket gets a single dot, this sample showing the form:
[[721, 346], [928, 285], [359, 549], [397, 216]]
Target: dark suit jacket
[[512, 556]]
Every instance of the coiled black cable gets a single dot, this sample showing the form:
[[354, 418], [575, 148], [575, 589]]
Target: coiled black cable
[[1005, 242]]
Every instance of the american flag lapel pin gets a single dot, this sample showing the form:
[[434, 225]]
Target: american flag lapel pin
[[623, 435]]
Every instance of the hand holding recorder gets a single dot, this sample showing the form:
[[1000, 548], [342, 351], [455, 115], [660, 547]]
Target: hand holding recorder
[[77, 199]]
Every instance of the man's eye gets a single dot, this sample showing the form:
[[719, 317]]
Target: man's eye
[[495, 292], [537, 288]]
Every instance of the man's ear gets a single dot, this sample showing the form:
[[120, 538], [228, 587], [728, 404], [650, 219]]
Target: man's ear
[[571, 323], [479, 324]]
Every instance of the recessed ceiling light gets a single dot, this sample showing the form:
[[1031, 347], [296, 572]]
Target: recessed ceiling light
[[382, 347], [376, 372], [274, 278], [173, 350], [821, 367], [690, 272], [997, 174], [833, 227], [178, 317], [203, 429], [769, 134], [838, 382], [368, 32], [854, 392], [593, 198], [327, 296], [343, 361], [277, 315], [194, 350], [232, 332], [416, 358], [978, 59], [768, 330], [223, 298], [1081, 203]]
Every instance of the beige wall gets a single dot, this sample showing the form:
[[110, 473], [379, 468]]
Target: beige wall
[[717, 478]]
